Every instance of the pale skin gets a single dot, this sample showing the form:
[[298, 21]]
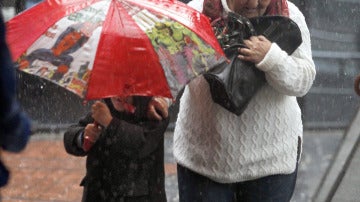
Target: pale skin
[[102, 116], [257, 46], [157, 109], [256, 49]]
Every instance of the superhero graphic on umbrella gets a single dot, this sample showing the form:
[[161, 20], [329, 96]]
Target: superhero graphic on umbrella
[[69, 41], [98, 48]]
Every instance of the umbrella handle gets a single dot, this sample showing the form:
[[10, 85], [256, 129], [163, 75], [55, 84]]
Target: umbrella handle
[[88, 143], [357, 85]]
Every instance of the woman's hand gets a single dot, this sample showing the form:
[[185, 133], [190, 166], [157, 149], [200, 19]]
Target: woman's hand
[[101, 113], [158, 108], [256, 49]]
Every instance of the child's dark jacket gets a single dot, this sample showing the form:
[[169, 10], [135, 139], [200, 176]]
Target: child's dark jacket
[[127, 161]]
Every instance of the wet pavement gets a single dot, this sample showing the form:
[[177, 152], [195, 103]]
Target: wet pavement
[[44, 172], [342, 180], [319, 148]]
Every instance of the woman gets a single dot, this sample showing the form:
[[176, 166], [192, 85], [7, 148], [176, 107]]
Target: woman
[[254, 156]]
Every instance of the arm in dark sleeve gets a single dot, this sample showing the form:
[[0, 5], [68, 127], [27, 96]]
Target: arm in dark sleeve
[[136, 140], [72, 134], [15, 126], [15, 130]]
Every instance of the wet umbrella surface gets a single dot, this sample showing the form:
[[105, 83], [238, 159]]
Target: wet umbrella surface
[[103, 48]]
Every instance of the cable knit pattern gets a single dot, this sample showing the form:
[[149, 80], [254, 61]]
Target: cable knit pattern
[[263, 140]]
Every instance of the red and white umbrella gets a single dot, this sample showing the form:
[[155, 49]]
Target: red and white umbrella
[[103, 48]]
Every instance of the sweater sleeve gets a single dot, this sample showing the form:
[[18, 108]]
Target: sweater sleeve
[[294, 74], [135, 140]]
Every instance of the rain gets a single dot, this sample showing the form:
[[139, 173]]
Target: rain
[[330, 115]]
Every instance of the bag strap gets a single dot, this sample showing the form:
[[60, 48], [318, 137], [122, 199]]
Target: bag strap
[[232, 30], [243, 20]]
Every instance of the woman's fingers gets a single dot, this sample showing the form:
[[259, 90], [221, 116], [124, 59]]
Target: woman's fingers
[[255, 50]]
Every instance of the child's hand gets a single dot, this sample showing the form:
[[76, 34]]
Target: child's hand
[[158, 108], [91, 135], [101, 113]]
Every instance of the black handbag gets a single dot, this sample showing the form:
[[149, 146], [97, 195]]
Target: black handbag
[[233, 83]]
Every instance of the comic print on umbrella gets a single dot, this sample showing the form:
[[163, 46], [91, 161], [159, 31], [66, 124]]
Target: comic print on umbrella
[[68, 52]]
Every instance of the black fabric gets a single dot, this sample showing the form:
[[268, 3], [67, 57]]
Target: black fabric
[[127, 161], [15, 125], [357, 85], [233, 83]]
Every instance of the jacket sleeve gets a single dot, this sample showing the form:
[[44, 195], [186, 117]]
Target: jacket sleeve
[[294, 74], [135, 140], [15, 126], [71, 136]]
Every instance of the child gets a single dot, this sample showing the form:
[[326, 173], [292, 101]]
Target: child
[[125, 151]]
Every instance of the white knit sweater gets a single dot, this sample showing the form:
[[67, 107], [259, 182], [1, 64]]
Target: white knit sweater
[[263, 140]]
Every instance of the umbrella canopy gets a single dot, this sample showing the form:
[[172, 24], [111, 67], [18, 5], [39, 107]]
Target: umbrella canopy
[[103, 48]]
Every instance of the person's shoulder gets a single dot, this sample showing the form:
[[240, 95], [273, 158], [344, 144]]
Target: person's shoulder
[[294, 10], [296, 15]]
